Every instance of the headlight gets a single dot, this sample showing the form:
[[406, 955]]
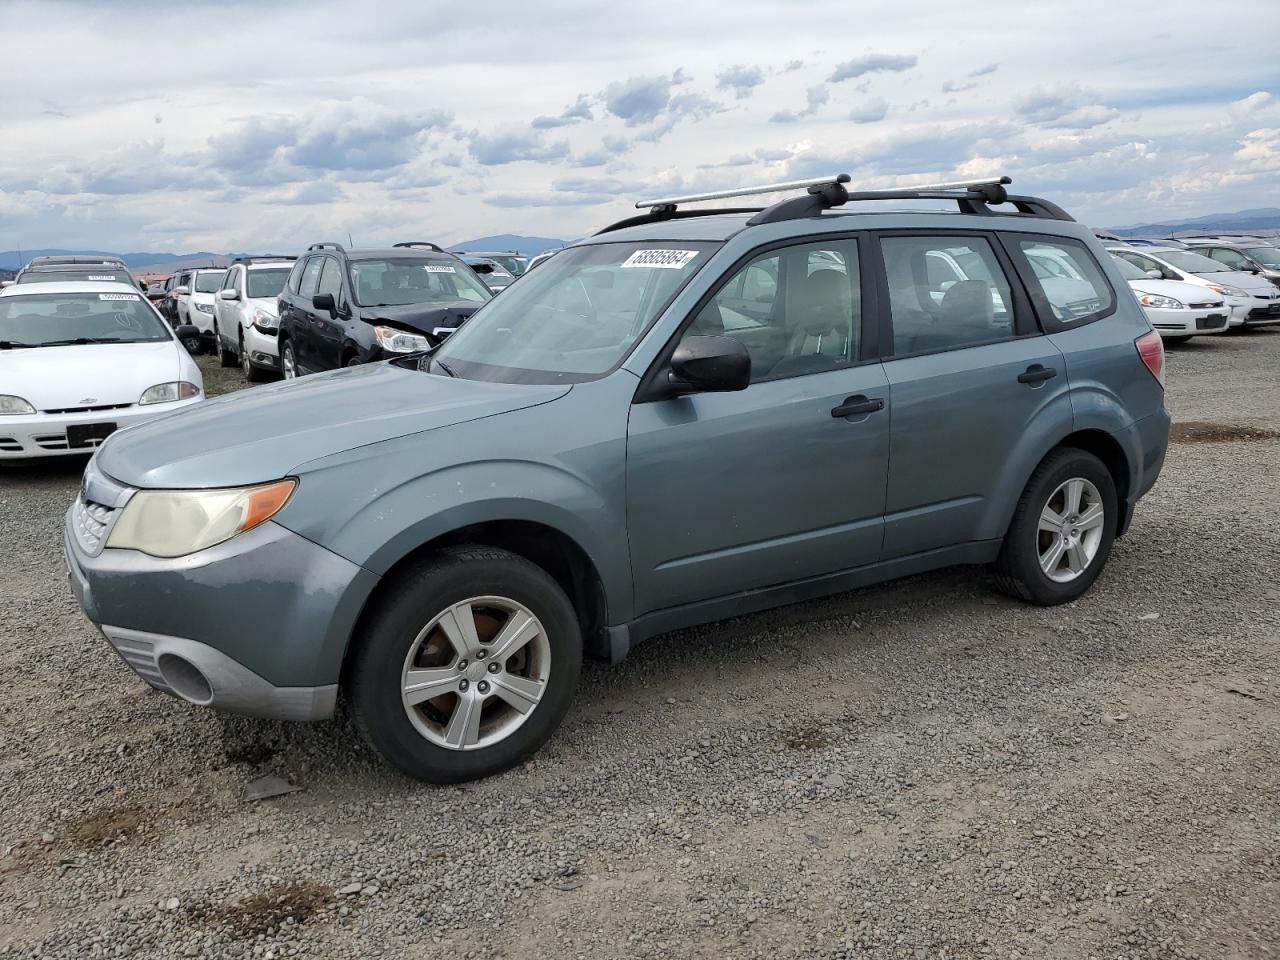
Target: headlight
[[1227, 291], [397, 341], [173, 523], [204, 307], [263, 320], [1162, 303], [10, 405], [168, 392]]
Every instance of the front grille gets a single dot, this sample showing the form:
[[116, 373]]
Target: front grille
[[140, 655], [10, 445], [1205, 306], [52, 441], [91, 522], [109, 406]]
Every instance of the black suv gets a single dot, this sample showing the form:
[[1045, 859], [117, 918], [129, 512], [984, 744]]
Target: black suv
[[344, 307]]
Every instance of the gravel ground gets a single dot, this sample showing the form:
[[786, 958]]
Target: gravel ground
[[923, 769]]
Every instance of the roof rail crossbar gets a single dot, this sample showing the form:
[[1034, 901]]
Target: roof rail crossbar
[[264, 258], [818, 182], [420, 243], [658, 214], [327, 245]]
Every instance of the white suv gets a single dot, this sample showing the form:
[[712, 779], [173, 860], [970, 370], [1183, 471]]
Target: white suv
[[195, 301], [245, 315]]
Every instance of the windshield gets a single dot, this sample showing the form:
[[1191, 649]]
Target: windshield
[[1192, 262], [403, 281], [53, 319], [1127, 269], [76, 276], [267, 283], [209, 282], [1267, 256], [576, 317], [513, 265]]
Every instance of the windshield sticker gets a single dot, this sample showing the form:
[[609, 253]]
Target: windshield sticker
[[660, 259], [118, 296], [438, 268], [104, 276]]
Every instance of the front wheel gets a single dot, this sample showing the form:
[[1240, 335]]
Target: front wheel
[[225, 357], [466, 666], [288, 361], [1062, 529]]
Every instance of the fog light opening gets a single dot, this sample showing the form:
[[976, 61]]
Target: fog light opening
[[185, 679]]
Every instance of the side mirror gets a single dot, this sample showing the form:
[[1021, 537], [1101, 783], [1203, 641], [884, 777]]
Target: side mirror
[[189, 334], [7, 283], [229, 294], [325, 301], [182, 291], [711, 364], [1155, 274]]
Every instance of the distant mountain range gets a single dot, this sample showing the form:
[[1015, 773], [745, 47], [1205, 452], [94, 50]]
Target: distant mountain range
[[156, 263], [1265, 221]]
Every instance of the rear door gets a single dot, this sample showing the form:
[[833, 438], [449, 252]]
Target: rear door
[[330, 329], [968, 372], [302, 314]]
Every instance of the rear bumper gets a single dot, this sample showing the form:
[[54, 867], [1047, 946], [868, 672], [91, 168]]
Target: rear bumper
[[45, 434], [1152, 436]]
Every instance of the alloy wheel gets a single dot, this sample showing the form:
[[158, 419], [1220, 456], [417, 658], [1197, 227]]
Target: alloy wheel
[[245, 366], [1070, 530], [287, 365], [475, 673]]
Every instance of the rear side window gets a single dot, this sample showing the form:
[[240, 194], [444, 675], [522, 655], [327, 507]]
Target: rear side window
[[1072, 284], [310, 276], [1232, 259], [295, 275], [229, 281], [331, 279], [945, 292]]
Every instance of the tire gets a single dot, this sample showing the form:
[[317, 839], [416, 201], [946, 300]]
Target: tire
[[1019, 569], [251, 373], [396, 639], [225, 357], [288, 361], [352, 362]]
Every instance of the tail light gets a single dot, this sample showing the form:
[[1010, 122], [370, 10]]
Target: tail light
[[1151, 350]]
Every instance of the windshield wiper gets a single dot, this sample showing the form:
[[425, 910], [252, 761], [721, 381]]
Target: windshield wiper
[[444, 366], [12, 345], [79, 341]]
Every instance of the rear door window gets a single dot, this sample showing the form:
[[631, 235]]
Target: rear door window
[[310, 276], [1229, 257], [945, 292]]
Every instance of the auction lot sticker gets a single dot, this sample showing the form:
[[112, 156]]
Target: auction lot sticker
[[117, 296], [95, 276], [438, 268], [660, 259]]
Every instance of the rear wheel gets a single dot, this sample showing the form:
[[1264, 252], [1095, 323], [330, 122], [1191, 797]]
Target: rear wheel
[[466, 666], [288, 361], [1062, 529]]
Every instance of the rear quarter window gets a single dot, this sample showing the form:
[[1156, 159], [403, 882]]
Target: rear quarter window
[[1067, 286]]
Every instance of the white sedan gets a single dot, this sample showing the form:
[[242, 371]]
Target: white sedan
[[79, 360], [1177, 309]]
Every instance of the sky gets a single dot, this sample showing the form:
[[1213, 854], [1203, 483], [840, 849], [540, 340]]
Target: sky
[[232, 126]]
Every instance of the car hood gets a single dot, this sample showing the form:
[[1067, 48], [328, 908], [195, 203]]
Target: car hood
[[1177, 289], [422, 317], [1255, 285], [88, 375], [269, 304], [264, 433]]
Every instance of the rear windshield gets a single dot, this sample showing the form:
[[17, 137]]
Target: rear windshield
[[209, 282], [403, 281], [267, 283], [78, 276], [57, 319]]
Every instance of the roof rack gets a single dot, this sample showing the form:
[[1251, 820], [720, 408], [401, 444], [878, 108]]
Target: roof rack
[[327, 245], [822, 193], [420, 243]]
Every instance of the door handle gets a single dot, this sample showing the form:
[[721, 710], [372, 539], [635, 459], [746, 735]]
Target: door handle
[[853, 406], [1037, 373]]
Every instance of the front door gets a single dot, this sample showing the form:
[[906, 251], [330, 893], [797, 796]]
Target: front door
[[330, 327], [731, 492]]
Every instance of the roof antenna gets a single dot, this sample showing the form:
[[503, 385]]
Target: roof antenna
[[350, 242]]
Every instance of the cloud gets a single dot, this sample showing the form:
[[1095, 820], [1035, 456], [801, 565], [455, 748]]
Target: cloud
[[640, 99], [953, 86], [509, 144], [580, 109], [359, 137], [318, 191], [869, 111], [872, 63], [792, 65], [742, 80], [816, 97], [1252, 104], [1064, 107], [983, 71], [517, 200]]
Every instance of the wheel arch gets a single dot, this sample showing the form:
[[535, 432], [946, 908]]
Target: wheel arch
[[542, 544]]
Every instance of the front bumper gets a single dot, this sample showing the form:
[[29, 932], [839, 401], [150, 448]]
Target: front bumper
[[202, 321], [264, 348], [1263, 314], [1188, 322], [257, 625], [45, 434]]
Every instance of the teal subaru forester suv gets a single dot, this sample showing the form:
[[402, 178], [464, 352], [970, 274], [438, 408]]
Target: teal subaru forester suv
[[693, 414]]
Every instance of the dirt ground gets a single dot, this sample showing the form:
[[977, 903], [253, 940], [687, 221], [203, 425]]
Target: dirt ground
[[925, 769]]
